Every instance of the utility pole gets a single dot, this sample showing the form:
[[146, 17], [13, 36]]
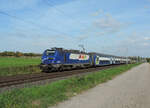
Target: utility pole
[[127, 55]]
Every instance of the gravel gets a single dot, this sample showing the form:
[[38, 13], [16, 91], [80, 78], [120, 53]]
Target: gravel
[[41, 82], [129, 90]]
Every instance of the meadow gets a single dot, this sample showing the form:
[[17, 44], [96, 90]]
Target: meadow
[[50, 94], [19, 65]]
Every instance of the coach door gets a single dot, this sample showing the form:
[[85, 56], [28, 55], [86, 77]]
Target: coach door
[[97, 60]]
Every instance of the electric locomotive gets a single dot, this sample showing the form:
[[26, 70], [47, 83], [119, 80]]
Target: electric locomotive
[[59, 59]]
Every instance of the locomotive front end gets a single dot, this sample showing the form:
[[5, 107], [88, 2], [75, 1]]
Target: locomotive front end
[[48, 59]]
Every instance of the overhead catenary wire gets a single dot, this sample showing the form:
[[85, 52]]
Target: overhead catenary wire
[[51, 3], [34, 24]]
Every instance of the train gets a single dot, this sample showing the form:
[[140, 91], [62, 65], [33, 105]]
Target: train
[[60, 59]]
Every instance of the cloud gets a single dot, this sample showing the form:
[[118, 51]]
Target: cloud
[[83, 37], [104, 25], [108, 24], [146, 38], [137, 39], [135, 43], [97, 13], [146, 7], [146, 44], [8, 5]]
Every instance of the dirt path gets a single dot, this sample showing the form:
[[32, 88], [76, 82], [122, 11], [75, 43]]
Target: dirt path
[[129, 90]]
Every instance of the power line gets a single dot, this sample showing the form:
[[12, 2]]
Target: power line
[[30, 22], [60, 11]]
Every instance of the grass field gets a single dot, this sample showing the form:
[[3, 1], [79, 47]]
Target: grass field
[[50, 94], [16, 62], [18, 65]]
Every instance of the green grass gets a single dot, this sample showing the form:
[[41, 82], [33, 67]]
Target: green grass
[[13, 65], [17, 62], [50, 94]]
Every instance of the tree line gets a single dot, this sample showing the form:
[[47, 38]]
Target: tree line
[[18, 54], [21, 54], [138, 58], [148, 59]]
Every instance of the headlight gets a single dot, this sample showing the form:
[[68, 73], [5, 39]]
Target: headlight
[[50, 58]]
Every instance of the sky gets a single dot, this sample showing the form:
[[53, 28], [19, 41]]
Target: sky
[[118, 27]]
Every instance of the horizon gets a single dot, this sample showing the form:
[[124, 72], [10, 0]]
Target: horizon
[[73, 49], [114, 27]]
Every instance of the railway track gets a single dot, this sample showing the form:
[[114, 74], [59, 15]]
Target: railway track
[[28, 78]]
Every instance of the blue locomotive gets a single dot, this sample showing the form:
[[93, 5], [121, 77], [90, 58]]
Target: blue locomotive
[[59, 59]]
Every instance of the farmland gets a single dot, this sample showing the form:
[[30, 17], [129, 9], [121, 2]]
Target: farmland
[[18, 65]]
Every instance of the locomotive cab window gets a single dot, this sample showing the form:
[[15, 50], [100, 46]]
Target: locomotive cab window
[[50, 53]]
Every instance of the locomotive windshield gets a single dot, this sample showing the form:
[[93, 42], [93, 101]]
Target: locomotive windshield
[[50, 52]]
